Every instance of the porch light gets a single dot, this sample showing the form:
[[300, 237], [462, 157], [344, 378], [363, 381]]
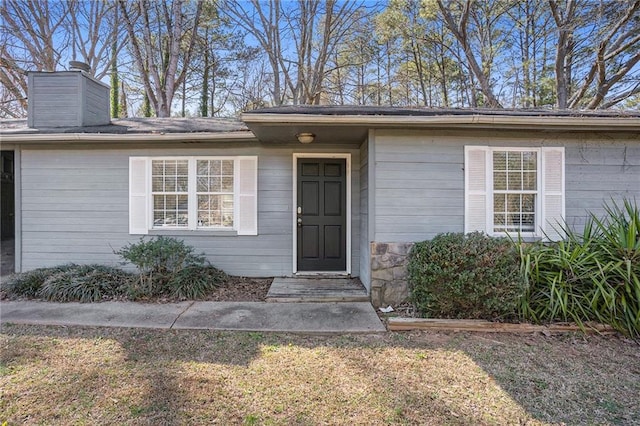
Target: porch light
[[305, 137]]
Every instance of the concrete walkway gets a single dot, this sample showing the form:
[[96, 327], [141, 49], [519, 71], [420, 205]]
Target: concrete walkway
[[345, 317]]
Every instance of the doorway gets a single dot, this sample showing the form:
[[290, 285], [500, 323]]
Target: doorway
[[322, 213]]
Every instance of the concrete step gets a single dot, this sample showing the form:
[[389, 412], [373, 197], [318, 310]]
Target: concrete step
[[296, 290]]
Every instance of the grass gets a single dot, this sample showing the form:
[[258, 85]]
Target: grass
[[60, 375]]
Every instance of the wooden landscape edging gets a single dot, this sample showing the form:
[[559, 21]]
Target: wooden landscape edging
[[405, 324]]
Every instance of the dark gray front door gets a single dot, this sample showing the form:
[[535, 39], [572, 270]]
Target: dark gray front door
[[322, 214]]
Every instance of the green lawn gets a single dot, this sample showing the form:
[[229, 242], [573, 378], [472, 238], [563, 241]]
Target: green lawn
[[74, 375]]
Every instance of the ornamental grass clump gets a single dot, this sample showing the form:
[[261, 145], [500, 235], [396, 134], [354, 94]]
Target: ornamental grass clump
[[69, 283], [593, 275], [465, 276], [28, 284], [85, 283]]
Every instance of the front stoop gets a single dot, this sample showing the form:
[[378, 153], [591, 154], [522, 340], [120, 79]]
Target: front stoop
[[317, 290]]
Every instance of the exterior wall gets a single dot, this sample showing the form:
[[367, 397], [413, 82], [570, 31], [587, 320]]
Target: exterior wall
[[598, 172], [66, 99], [419, 188], [96, 103], [75, 208], [365, 270], [53, 100]]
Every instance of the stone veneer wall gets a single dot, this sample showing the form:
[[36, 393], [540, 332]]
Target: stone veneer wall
[[389, 284]]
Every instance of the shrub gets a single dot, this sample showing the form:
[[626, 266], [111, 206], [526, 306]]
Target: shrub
[[195, 281], [594, 275], [28, 284], [169, 267], [67, 283], [465, 276]]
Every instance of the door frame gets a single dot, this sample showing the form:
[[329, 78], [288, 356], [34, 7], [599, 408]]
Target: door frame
[[294, 217]]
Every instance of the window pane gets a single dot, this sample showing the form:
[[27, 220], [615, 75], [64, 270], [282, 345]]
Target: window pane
[[170, 202], [203, 184], [530, 160], [499, 160], [157, 168], [499, 203], [215, 210], [227, 184], [227, 210], [514, 173], [170, 185], [170, 210], [215, 176], [157, 184], [499, 181], [214, 167], [214, 184], [182, 184], [528, 203], [227, 168], [514, 182], [529, 180], [514, 160], [528, 222], [203, 167]]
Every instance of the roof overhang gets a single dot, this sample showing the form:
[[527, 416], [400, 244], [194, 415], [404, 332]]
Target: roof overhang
[[274, 127], [104, 138]]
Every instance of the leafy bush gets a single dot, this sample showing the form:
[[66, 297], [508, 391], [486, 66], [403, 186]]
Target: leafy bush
[[168, 266], [465, 276], [593, 275]]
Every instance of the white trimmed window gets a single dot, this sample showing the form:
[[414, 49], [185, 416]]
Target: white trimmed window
[[514, 191], [193, 193]]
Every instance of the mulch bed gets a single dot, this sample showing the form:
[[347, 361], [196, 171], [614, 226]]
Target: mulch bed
[[236, 289], [241, 289]]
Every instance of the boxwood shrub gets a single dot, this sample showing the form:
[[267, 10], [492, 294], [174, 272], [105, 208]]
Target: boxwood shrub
[[466, 276], [169, 267]]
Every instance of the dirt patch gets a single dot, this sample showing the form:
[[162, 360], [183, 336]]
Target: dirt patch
[[241, 289]]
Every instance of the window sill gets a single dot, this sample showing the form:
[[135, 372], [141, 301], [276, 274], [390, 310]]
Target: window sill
[[197, 232]]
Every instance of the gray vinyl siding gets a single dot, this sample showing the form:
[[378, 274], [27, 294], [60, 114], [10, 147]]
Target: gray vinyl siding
[[599, 172], [53, 100], [365, 248], [75, 209], [66, 99], [419, 187], [419, 178], [96, 103]]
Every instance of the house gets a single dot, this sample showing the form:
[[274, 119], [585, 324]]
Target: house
[[303, 190]]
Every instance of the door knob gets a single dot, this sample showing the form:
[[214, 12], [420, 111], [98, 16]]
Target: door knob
[[299, 221]]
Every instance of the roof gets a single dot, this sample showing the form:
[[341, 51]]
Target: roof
[[152, 129], [136, 126], [352, 123], [330, 124], [344, 110]]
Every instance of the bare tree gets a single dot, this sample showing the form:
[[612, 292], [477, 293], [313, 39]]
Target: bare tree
[[33, 38], [316, 29], [162, 36], [614, 56], [94, 34], [457, 18], [565, 22]]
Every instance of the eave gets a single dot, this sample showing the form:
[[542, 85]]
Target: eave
[[104, 138]]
